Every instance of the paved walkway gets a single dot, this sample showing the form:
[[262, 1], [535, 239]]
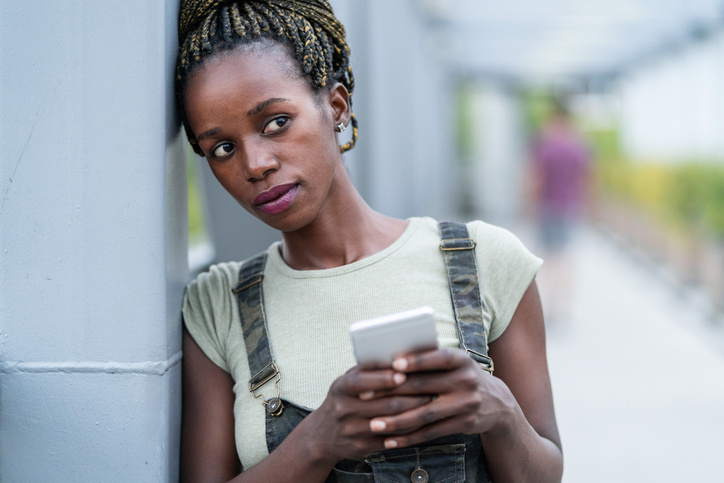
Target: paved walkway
[[638, 376]]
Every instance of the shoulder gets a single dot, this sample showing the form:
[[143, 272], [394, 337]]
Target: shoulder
[[496, 243], [506, 268], [209, 309], [218, 278]]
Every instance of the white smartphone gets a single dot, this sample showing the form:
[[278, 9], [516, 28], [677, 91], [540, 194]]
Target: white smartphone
[[378, 341]]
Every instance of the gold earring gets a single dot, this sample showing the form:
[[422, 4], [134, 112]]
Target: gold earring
[[341, 127]]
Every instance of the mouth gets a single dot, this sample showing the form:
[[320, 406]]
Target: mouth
[[277, 199]]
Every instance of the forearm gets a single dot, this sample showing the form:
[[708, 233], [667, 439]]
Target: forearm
[[297, 459], [515, 452]]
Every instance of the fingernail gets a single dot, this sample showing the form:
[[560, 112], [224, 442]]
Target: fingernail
[[399, 378], [377, 425], [365, 396], [390, 443], [400, 364]]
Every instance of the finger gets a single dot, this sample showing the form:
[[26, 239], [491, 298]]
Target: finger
[[388, 406], [424, 383], [414, 419], [371, 366], [436, 430], [357, 381], [435, 360], [467, 379]]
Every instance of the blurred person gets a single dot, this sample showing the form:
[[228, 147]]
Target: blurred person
[[560, 180], [264, 89]]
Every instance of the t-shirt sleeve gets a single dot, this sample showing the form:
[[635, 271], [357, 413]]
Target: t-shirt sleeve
[[207, 312], [506, 270]]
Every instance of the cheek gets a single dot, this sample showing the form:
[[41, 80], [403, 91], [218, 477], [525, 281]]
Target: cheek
[[231, 179], [322, 134], [326, 150]]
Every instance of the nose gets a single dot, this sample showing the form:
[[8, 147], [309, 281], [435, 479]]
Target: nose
[[258, 162]]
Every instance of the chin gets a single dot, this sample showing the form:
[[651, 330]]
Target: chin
[[284, 222]]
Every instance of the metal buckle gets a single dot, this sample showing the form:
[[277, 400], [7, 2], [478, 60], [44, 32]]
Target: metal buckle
[[274, 405], [253, 282], [445, 248], [485, 362]]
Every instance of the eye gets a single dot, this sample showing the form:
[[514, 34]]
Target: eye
[[275, 124], [223, 150]]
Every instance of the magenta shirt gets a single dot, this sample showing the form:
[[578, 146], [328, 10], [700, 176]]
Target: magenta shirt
[[561, 160]]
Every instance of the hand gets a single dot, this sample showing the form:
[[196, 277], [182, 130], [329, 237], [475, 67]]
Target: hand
[[466, 399], [340, 427]]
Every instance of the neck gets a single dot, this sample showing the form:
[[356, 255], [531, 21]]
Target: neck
[[346, 230]]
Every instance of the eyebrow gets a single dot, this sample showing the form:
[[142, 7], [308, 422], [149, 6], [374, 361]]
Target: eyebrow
[[263, 105], [210, 132]]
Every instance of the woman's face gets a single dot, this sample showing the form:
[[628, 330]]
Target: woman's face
[[268, 139]]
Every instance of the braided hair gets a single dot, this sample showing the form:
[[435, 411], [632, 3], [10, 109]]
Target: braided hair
[[309, 28]]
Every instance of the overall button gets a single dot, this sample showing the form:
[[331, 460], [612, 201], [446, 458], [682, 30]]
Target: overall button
[[419, 476], [274, 406]]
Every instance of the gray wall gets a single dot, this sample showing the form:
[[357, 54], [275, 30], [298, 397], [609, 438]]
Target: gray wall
[[409, 162], [93, 241]]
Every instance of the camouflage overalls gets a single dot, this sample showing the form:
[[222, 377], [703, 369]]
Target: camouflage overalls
[[455, 458]]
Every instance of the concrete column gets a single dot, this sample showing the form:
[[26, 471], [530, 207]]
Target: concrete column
[[404, 164], [499, 153], [93, 241]]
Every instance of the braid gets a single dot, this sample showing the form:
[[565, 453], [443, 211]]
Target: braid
[[225, 24], [309, 27]]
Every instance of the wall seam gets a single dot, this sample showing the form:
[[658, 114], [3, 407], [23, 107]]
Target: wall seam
[[153, 368]]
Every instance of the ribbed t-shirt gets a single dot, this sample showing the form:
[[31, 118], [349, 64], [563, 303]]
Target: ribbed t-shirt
[[308, 313]]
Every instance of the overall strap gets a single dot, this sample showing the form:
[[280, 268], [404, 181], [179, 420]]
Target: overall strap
[[462, 271], [253, 323]]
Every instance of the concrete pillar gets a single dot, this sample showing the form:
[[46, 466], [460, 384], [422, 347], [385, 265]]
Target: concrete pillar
[[499, 153], [411, 165], [93, 241]]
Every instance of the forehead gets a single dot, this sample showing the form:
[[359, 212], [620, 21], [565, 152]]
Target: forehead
[[244, 77]]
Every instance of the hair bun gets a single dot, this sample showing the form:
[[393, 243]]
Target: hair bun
[[192, 13]]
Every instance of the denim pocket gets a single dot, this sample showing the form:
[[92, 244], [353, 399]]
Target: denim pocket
[[430, 464], [340, 476]]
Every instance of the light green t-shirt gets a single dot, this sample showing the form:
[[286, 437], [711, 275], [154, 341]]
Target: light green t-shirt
[[309, 312]]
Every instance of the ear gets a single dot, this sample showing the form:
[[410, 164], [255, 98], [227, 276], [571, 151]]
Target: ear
[[339, 101]]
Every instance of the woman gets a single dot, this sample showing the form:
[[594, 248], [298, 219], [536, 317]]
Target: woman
[[271, 390]]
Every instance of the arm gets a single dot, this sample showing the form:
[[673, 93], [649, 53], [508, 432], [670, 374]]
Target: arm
[[529, 449], [513, 412], [338, 429], [208, 450], [207, 418]]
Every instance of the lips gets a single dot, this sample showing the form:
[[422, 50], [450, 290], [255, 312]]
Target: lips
[[277, 199]]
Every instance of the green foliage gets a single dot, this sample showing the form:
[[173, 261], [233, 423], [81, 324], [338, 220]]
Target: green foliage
[[537, 107], [698, 195], [714, 210], [685, 199], [605, 144], [465, 120], [197, 227], [687, 196]]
